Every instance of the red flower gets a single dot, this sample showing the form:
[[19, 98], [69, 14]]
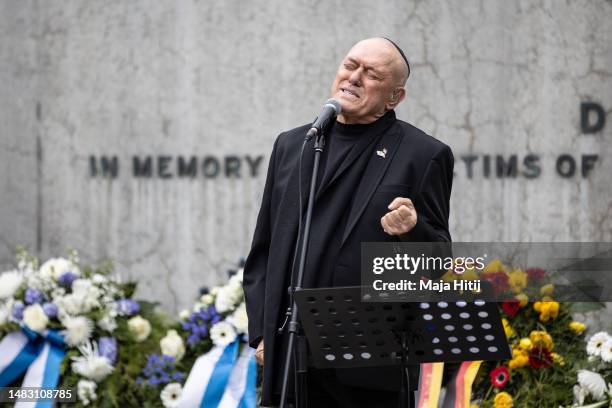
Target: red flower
[[540, 358], [511, 308], [499, 280], [535, 274], [499, 376]]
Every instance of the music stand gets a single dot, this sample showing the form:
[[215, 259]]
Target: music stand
[[343, 331]]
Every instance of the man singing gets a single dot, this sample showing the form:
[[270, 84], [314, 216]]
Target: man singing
[[380, 180]]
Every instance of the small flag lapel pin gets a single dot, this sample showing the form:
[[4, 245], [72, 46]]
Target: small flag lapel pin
[[382, 153]]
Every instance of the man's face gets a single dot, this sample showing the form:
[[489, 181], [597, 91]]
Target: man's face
[[365, 82]]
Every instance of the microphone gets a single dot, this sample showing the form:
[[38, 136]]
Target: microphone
[[328, 114]]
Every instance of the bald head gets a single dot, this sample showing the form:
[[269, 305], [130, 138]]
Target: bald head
[[370, 80], [397, 59]]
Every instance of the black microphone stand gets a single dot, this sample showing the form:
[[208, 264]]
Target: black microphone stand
[[293, 325]]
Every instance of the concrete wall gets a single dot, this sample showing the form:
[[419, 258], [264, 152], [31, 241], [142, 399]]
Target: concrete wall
[[223, 78]]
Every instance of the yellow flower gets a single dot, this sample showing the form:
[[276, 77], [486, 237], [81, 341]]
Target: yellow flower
[[547, 290], [503, 400], [525, 344], [449, 276], [495, 265], [474, 405], [577, 327], [541, 339], [517, 279], [558, 359], [523, 299], [520, 357], [548, 310], [507, 328], [470, 274]]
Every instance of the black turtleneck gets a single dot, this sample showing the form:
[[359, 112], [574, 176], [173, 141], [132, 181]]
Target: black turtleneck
[[341, 140]]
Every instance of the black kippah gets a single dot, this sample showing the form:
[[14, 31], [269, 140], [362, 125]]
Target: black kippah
[[401, 53]]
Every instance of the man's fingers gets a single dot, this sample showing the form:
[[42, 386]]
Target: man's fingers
[[385, 224], [259, 358], [401, 220], [259, 353], [405, 212], [396, 218], [399, 201], [389, 227]]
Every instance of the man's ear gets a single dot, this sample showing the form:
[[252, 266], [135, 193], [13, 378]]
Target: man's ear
[[397, 96]]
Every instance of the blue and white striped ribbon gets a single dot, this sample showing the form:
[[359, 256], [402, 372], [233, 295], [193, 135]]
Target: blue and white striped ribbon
[[39, 356], [221, 379], [17, 352]]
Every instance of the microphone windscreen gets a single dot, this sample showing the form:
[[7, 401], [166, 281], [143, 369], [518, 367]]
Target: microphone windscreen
[[334, 102]]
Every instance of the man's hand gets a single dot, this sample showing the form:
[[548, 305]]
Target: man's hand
[[401, 218], [259, 353]]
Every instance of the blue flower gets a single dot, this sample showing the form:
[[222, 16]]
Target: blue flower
[[18, 308], [50, 309], [66, 279], [33, 296], [127, 307], [160, 369], [198, 323], [153, 381], [107, 347]]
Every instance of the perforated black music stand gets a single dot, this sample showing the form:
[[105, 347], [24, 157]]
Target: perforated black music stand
[[343, 331]]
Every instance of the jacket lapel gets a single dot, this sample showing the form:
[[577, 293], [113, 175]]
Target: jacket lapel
[[372, 177], [307, 164]]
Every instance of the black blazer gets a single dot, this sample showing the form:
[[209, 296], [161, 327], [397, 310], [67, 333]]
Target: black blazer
[[415, 166]]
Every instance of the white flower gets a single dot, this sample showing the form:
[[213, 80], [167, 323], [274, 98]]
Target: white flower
[[57, 291], [172, 345], [606, 351], [99, 279], [139, 327], [222, 334], [197, 306], [240, 319], [107, 322], [184, 314], [593, 383], [78, 330], [9, 283], [87, 293], [86, 390], [71, 304], [227, 297], [236, 281], [35, 318], [207, 299], [171, 394], [595, 343], [91, 365], [580, 393], [55, 267]]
